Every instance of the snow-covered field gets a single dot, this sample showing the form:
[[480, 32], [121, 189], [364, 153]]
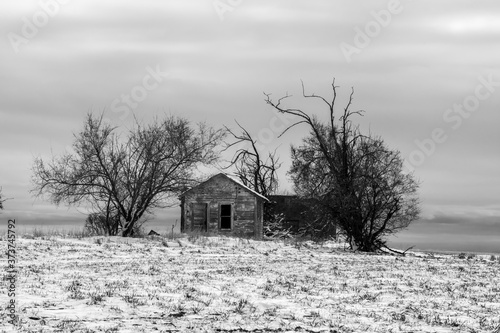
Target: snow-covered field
[[217, 284]]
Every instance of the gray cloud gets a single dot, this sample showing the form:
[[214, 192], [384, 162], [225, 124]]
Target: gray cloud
[[427, 59]]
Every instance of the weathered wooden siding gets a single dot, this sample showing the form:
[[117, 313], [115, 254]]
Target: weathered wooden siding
[[246, 208], [199, 215], [259, 218]]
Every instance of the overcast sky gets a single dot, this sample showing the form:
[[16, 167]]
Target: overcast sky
[[427, 73]]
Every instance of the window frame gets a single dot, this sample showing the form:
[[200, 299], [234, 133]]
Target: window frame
[[230, 204]]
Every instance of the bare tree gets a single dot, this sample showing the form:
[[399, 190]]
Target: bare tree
[[252, 168], [355, 179], [128, 177]]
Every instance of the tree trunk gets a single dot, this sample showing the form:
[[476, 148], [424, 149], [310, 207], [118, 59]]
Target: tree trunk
[[128, 229]]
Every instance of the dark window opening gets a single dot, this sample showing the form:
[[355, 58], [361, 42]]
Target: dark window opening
[[225, 216]]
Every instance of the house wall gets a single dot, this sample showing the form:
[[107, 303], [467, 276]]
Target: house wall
[[259, 218], [297, 212], [293, 209], [246, 207]]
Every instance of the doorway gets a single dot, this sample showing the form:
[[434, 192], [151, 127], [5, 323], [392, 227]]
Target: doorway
[[200, 221]]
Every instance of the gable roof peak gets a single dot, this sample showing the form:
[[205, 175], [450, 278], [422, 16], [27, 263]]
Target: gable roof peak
[[236, 181]]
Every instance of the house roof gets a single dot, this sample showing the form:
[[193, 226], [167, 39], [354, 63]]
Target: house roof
[[257, 194]]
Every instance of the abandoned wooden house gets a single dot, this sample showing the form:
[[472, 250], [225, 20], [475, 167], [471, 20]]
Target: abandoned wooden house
[[292, 210], [223, 205], [297, 214]]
